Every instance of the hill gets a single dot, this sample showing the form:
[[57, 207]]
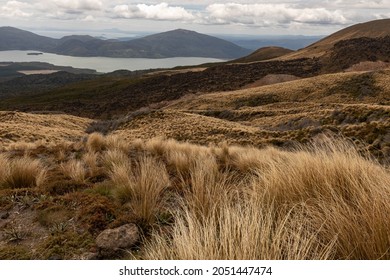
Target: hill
[[184, 43], [176, 43], [263, 54], [16, 39], [373, 29]]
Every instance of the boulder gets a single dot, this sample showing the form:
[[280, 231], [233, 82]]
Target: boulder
[[110, 241]]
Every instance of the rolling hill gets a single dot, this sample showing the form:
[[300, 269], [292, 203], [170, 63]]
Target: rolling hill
[[373, 29], [263, 54], [176, 43]]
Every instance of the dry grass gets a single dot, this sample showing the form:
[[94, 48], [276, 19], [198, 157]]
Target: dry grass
[[240, 232], [29, 128], [92, 160], [75, 169], [323, 200], [4, 170], [23, 173], [141, 187], [96, 142]]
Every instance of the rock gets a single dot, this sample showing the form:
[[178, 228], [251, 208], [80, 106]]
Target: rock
[[4, 216], [112, 240], [88, 256]]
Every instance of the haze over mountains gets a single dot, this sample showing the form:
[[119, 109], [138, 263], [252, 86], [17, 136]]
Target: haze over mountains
[[176, 43]]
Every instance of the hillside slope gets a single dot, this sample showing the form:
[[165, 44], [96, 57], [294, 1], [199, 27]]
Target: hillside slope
[[263, 54], [18, 127], [373, 29]]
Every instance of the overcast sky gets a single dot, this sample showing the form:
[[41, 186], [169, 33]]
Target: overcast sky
[[309, 17]]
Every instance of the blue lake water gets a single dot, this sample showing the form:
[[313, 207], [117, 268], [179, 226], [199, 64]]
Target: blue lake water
[[103, 64]]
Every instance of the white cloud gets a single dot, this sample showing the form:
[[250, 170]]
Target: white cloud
[[79, 4], [361, 4], [15, 9], [89, 18], [160, 11], [271, 14]]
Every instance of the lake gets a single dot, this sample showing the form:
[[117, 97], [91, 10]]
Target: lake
[[103, 64]]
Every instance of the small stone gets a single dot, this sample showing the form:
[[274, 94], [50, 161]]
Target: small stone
[[111, 240]]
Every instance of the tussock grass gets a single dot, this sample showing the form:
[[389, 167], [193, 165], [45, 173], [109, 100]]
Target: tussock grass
[[116, 142], [324, 200], [241, 231], [91, 160], [114, 158], [4, 168], [96, 142], [75, 169], [142, 187], [23, 173], [206, 187]]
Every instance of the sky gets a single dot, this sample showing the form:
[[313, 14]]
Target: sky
[[292, 17]]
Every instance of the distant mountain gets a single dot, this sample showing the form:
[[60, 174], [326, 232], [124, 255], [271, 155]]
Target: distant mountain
[[16, 39], [185, 43], [176, 43], [264, 54]]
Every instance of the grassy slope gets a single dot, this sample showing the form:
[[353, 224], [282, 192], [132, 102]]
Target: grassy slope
[[17, 127], [322, 201]]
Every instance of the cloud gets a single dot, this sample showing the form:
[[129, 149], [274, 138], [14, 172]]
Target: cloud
[[360, 4], [160, 11], [89, 18], [271, 14], [75, 5], [15, 9]]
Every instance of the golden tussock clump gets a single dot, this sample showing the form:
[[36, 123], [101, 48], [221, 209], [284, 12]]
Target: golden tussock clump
[[142, 186], [22, 172], [75, 169], [96, 142]]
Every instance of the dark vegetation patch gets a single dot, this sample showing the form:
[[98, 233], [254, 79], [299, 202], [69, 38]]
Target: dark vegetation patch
[[350, 52], [358, 87], [107, 97]]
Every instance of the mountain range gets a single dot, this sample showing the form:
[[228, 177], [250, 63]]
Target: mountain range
[[175, 43]]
